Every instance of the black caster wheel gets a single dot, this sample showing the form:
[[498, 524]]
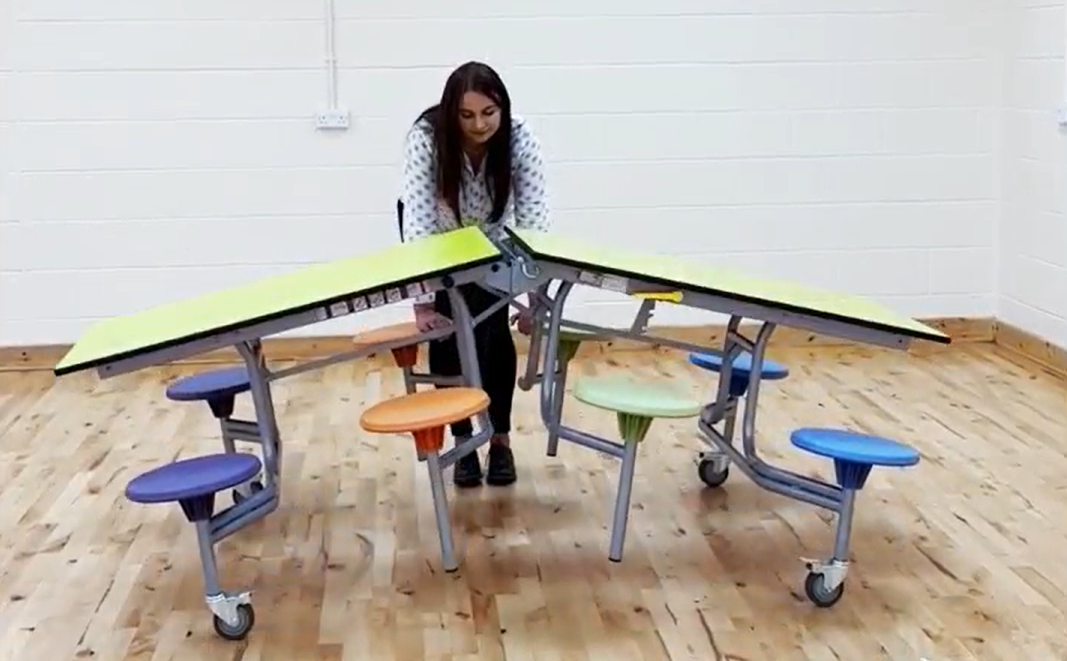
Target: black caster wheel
[[710, 476], [246, 618], [254, 487], [815, 587]]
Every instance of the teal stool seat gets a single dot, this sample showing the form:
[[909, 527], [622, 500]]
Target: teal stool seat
[[636, 405]]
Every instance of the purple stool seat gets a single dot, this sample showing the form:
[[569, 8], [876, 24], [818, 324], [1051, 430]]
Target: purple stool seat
[[189, 479], [217, 387], [210, 385]]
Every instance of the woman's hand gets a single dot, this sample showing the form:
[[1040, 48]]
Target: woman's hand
[[524, 321], [428, 319]]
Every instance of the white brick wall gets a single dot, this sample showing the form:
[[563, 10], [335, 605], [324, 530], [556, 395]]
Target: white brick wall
[[156, 150], [1033, 236]]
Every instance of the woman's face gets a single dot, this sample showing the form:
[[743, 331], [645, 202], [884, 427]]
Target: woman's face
[[479, 118]]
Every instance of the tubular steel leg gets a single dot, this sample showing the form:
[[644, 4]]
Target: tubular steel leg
[[468, 353], [550, 386], [559, 387], [409, 382], [527, 379], [223, 605], [622, 501], [227, 440], [207, 559], [440, 509], [252, 352], [825, 582], [844, 525], [230, 447]]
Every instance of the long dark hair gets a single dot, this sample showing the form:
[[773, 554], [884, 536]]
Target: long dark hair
[[448, 137]]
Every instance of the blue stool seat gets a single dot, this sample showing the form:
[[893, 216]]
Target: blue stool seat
[[189, 479], [210, 385], [218, 387], [853, 453], [742, 365], [854, 447], [193, 483], [741, 370]]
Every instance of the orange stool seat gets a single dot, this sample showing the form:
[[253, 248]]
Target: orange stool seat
[[406, 355], [425, 414]]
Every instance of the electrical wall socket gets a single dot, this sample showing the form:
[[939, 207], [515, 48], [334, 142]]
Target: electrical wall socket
[[333, 118]]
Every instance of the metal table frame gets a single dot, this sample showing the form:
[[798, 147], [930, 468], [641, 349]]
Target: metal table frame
[[515, 273], [535, 274], [264, 430]]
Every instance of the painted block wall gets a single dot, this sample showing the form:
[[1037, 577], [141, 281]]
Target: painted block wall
[[153, 151], [1033, 233]]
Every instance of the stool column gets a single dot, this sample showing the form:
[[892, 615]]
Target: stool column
[[844, 526], [428, 445], [222, 409], [851, 477], [406, 357], [212, 589], [632, 429], [233, 614]]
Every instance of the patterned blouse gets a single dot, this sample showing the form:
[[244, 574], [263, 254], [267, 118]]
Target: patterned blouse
[[426, 214]]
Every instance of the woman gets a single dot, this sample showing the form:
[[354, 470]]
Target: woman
[[468, 161]]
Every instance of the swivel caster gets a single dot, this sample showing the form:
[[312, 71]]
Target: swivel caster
[[246, 619], [713, 469], [819, 594], [825, 583], [253, 487]]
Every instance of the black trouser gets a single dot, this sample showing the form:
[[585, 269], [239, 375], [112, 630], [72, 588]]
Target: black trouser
[[496, 356]]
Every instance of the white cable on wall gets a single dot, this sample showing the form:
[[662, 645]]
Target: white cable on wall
[[332, 116], [331, 57]]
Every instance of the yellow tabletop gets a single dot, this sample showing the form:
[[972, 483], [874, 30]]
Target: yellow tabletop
[[682, 273], [194, 318]]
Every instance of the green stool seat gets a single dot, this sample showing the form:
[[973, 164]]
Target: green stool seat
[[576, 333], [625, 395], [570, 340], [636, 405]]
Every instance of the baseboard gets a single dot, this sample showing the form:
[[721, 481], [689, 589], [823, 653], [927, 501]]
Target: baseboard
[[960, 329], [1038, 350]]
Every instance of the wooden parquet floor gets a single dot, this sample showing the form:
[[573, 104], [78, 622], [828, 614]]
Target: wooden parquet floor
[[959, 558]]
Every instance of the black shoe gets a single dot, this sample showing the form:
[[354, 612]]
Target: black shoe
[[501, 470], [467, 472]]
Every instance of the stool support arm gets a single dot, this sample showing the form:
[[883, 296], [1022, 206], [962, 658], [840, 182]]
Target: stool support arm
[[784, 483]]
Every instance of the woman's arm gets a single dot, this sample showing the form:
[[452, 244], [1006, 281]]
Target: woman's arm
[[420, 218], [528, 180], [420, 189]]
